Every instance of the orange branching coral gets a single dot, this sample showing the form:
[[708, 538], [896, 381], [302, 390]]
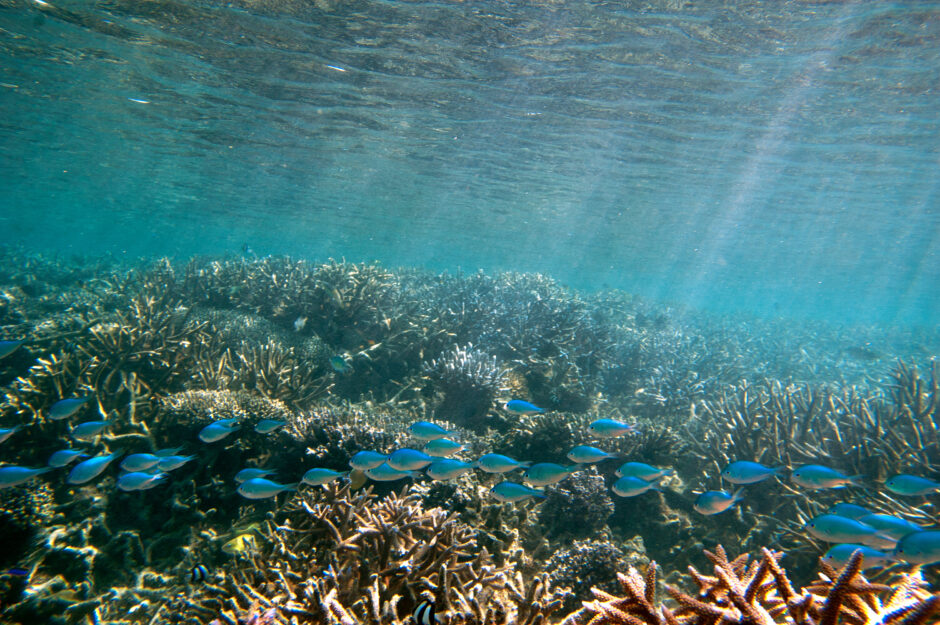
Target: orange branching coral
[[760, 593]]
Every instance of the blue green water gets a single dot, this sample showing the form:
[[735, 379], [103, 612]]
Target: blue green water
[[780, 159]]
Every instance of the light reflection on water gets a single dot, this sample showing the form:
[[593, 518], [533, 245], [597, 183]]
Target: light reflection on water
[[776, 157]]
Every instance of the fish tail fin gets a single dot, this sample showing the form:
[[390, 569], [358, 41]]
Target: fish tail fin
[[292, 486], [668, 472], [524, 465], [539, 494], [856, 480], [738, 495]]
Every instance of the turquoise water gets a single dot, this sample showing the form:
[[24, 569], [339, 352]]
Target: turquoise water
[[779, 159]]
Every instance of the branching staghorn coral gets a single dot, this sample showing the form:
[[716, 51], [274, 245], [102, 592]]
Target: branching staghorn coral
[[333, 556], [269, 369], [760, 593], [122, 360], [858, 431]]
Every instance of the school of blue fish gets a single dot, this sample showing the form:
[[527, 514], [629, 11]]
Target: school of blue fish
[[881, 538]]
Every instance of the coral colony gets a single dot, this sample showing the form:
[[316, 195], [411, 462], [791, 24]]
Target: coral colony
[[269, 441]]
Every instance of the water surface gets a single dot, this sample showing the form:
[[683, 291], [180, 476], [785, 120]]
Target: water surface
[[773, 158]]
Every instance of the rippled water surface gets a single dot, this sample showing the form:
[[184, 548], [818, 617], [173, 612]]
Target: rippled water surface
[[778, 157]]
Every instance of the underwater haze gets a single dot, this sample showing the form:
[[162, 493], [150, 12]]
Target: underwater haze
[[772, 158]]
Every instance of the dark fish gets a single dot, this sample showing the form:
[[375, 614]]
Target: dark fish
[[424, 614], [864, 353], [198, 574]]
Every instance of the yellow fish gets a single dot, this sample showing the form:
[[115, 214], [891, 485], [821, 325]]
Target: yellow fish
[[242, 543], [357, 479]]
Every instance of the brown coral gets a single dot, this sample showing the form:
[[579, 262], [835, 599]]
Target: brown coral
[[760, 593], [335, 556]]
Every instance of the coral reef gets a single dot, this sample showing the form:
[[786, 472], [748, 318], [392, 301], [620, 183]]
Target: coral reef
[[334, 433], [337, 556], [23, 510], [469, 381], [761, 593], [590, 564], [578, 507], [164, 349]]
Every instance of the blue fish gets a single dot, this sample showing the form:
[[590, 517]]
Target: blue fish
[[895, 527], [88, 470], [584, 454], [364, 460], [6, 433], [89, 430], [138, 480], [819, 476], [747, 472], [448, 468], [716, 501], [217, 430], [546, 473], [139, 462], [408, 460], [642, 471], [169, 451], [630, 486], [498, 463], [838, 529], [849, 510], [520, 406], [838, 556], [911, 485], [18, 571], [65, 408], [261, 488], [8, 347], [340, 365], [14, 475], [442, 448], [919, 547], [321, 477], [171, 463], [385, 473], [610, 428], [511, 492], [249, 474], [427, 431], [65, 457], [266, 426]]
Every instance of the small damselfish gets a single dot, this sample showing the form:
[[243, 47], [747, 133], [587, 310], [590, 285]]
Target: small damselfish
[[424, 614], [198, 574]]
